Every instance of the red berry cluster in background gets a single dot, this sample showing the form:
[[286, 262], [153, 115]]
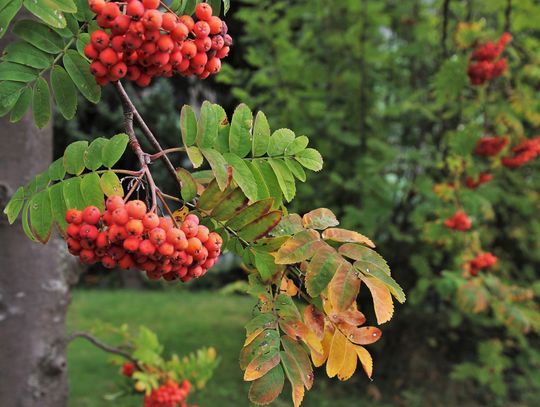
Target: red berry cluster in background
[[486, 63], [140, 42], [127, 236], [491, 146], [170, 394], [480, 262], [483, 178], [460, 221], [523, 153]]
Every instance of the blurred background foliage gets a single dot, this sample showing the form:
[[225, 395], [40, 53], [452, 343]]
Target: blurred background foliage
[[381, 88]]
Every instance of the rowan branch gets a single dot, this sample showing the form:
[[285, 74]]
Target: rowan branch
[[103, 346]]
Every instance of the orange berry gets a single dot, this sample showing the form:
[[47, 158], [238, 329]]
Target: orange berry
[[120, 216], [147, 248], [114, 202], [203, 11], [169, 21], [157, 236], [136, 209], [203, 233], [166, 249], [117, 233], [165, 223], [188, 22], [150, 220], [190, 228], [194, 246], [91, 215], [88, 232], [74, 216], [215, 25]]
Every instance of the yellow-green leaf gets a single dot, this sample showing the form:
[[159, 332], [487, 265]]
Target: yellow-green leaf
[[300, 247]]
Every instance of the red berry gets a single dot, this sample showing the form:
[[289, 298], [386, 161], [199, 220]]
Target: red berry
[[144, 80], [197, 271], [73, 244], [133, 73], [188, 22], [136, 209], [74, 216], [194, 246], [217, 42], [133, 41], [117, 233], [135, 227], [87, 256], [120, 216], [203, 44], [223, 52], [108, 262], [189, 49], [91, 215], [165, 43], [147, 248], [169, 21], [114, 202], [201, 255], [97, 5], [203, 11], [135, 9], [102, 240], [165, 223], [88, 232], [126, 262], [118, 43], [215, 25], [157, 236], [98, 69], [201, 29], [150, 220], [203, 233], [152, 4], [152, 20], [192, 218], [108, 57], [131, 244], [99, 39], [121, 24], [180, 32], [160, 59], [111, 11], [214, 65], [176, 58], [91, 52], [166, 249]]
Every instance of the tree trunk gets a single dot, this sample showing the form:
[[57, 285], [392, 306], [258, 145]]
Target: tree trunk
[[34, 292]]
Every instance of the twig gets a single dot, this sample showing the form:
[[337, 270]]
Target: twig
[[167, 151], [145, 129], [162, 199], [508, 16], [103, 346]]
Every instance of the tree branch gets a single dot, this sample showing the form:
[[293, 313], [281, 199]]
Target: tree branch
[[128, 104], [103, 346]]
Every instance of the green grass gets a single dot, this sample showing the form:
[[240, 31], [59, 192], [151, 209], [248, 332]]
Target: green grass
[[184, 322]]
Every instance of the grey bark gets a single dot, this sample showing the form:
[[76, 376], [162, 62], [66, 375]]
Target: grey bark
[[34, 292]]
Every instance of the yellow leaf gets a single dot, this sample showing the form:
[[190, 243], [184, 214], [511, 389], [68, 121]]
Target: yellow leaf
[[319, 358], [180, 214], [261, 365], [252, 336], [298, 394], [336, 357], [314, 320], [349, 365], [382, 299], [365, 360]]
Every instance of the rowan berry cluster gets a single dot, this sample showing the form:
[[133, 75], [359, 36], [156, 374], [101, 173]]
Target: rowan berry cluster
[[523, 153], [483, 178], [170, 394], [460, 221], [480, 262], [491, 146], [140, 42], [127, 236], [486, 63]]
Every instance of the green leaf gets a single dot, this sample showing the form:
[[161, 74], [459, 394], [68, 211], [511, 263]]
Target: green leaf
[[300, 358], [46, 10], [65, 92], [73, 194], [92, 192], [41, 216], [250, 214], [26, 222], [82, 41], [39, 35], [230, 205], [302, 246], [8, 10], [195, 156], [216, 7], [289, 225], [265, 390], [242, 175], [207, 126], [219, 166], [320, 270], [372, 259], [297, 145], [188, 7], [15, 204], [368, 269], [189, 186], [114, 149], [10, 71], [58, 205], [21, 107], [56, 170], [93, 156], [78, 69], [222, 141], [83, 11], [262, 188], [310, 159], [68, 6], [260, 227], [226, 6], [188, 125], [211, 196], [265, 264], [9, 95], [279, 141], [111, 185], [261, 135], [26, 54], [284, 177], [296, 169], [270, 181], [74, 157], [239, 134], [41, 103]]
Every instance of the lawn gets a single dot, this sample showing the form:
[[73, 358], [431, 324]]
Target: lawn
[[184, 322]]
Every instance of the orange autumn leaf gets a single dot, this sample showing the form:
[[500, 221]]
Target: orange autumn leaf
[[346, 236], [336, 357], [362, 336], [261, 365], [344, 287], [365, 359], [349, 364], [320, 219], [319, 358], [382, 299], [314, 319]]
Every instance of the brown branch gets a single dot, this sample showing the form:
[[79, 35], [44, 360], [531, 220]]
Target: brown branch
[[129, 112], [103, 346], [126, 101]]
